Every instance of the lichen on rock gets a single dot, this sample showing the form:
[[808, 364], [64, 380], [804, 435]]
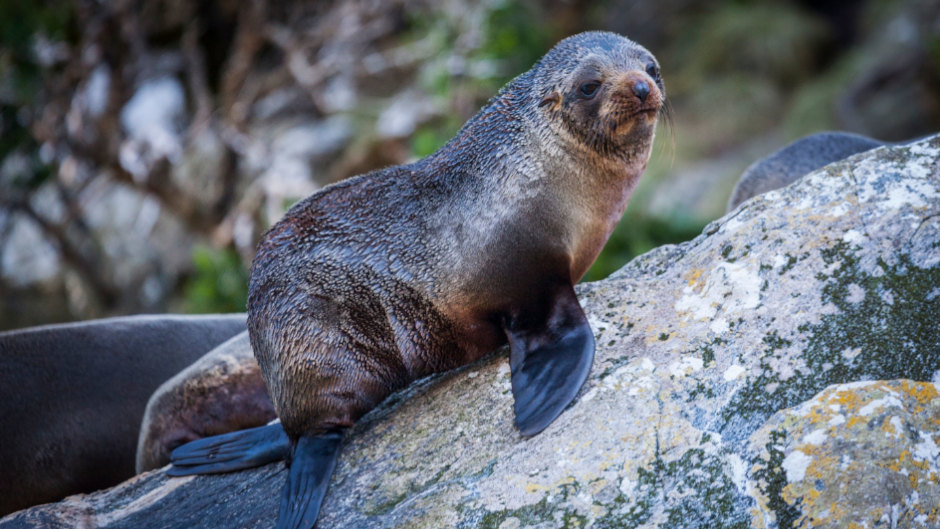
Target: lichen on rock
[[833, 282], [863, 453]]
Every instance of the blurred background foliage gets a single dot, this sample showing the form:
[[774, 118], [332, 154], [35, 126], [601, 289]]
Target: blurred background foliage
[[146, 144]]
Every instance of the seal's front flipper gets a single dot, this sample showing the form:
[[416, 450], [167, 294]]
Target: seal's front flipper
[[310, 471], [232, 451], [549, 361]]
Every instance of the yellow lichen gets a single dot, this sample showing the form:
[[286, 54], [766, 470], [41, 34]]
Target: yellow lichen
[[534, 488], [692, 276]]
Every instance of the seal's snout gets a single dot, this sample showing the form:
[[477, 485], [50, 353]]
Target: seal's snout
[[637, 91], [641, 89]]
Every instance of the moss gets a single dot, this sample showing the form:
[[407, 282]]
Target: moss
[[772, 479], [694, 490], [387, 506], [708, 355], [542, 511], [791, 260], [894, 327], [726, 250], [701, 390]]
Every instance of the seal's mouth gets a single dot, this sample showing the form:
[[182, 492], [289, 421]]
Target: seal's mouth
[[629, 119], [649, 111]]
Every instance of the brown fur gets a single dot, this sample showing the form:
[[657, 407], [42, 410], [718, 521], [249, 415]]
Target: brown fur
[[416, 269]]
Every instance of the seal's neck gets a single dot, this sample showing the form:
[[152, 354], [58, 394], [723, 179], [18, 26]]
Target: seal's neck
[[595, 190], [514, 154]]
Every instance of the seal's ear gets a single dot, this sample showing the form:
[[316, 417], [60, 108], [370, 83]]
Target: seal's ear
[[553, 98]]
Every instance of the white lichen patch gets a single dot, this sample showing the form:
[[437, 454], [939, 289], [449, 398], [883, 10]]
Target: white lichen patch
[[734, 371], [738, 471], [924, 150], [840, 209], [816, 437], [686, 366], [856, 294], [795, 465], [826, 187], [589, 396], [852, 352], [598, 325], [719, 326], [889, 191], [853, 236], [913, 193], [888, 297], [877, 404], [926, 449], [730, 287], [896, 426], [636, 377]]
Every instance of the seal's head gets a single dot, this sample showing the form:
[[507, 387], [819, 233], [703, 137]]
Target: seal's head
[[602, 92]]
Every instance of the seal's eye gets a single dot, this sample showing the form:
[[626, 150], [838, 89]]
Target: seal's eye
[[652, 70], [589, 88]]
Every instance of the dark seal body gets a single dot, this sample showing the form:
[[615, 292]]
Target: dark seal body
[[72, 397], [416, 269], [387, 277], [797, 159]]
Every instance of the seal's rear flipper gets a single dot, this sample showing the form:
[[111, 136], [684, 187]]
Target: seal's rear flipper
[[232, 451], [549, 363], [310, 471]]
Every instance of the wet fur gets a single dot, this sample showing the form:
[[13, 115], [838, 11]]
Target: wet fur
[[72, 397], [416, 269], [411, 270]]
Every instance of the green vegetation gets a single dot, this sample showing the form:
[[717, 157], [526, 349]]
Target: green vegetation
[[515, 36], [219, 282]]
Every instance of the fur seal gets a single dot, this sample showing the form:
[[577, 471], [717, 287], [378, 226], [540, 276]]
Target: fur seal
[[72, 397], [221, 392], [799, 158], [387, 277]]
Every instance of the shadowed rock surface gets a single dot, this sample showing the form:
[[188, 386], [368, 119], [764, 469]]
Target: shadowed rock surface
[[707, 405]]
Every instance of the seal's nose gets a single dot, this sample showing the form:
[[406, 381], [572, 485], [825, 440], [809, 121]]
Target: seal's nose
[[641, 89]]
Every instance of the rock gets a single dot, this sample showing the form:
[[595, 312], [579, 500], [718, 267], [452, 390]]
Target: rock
[[701, 347], [881, 433]]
